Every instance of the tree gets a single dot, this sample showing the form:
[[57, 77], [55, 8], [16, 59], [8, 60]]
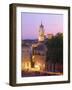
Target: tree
[[55, 49]]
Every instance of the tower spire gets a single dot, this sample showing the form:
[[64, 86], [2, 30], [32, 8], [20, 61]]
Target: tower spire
[[41, 24], [41, 32]]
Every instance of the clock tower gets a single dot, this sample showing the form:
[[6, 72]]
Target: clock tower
[[41, 33]]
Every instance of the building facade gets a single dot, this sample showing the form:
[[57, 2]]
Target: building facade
[[38, 59], [34, 56]]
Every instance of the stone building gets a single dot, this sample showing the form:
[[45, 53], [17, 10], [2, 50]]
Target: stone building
[[34, 57], [38, 59]]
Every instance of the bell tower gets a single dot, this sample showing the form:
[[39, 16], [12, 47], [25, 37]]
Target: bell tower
[[41, 33]]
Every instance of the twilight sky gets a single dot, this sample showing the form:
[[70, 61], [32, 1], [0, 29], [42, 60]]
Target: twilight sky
[[30, 22]]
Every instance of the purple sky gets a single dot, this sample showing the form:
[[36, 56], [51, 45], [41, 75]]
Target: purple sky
[[30, 22]]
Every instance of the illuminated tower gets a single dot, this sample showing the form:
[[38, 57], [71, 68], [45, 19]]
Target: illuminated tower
[[41, 33], [38, 52]]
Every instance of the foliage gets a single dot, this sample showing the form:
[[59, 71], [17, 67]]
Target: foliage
[[55, 48]]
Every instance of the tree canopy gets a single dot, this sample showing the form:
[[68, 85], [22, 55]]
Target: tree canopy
[[55, 48]]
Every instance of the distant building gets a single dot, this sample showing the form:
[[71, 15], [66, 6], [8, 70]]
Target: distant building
[[49, 36], [26, 64], [39, 50], [41, 33], [35, 55]]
